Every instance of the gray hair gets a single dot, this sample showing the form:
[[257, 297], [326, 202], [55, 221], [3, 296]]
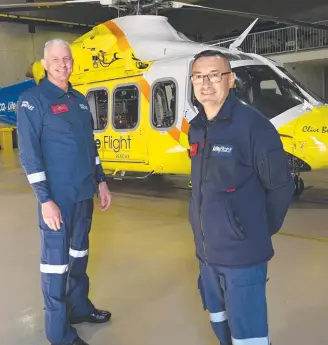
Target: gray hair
[[56, 41]]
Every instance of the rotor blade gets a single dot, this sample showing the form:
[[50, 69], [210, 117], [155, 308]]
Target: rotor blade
[[44, 5], [28, 19], [177, 4]]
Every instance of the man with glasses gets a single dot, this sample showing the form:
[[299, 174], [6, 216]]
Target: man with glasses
[[241, 191]]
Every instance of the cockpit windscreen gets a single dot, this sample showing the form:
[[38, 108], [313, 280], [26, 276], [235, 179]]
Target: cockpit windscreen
[[263, 89]]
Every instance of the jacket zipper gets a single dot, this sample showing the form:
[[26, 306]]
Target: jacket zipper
[[201, 197]]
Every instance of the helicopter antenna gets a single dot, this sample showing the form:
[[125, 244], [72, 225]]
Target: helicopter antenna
[[237, 43], [138, 8]]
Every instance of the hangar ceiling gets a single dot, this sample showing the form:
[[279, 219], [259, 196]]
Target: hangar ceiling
[[190, 21]]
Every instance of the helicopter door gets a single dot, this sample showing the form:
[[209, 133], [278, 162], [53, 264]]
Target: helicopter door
[[125, 142], [98, 99]]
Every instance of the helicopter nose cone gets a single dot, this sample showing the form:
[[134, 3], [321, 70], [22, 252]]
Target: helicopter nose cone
[[311, 138]]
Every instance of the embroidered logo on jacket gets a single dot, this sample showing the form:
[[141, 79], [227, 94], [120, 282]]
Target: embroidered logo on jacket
[[193, 149], [59, 108], [83, 107], [222, 150], [26, 104]]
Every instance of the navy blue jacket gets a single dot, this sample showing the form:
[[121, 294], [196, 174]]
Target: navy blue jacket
[[241, 185], [56, 143]]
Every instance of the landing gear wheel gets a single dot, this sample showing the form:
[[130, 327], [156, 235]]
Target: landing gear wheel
[[299, 186]]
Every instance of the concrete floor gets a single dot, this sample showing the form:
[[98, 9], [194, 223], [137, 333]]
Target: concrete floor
[[143, 269]]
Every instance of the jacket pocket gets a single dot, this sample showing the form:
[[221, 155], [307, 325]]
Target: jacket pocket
[[57, 125], [235, 222], [220, 166]]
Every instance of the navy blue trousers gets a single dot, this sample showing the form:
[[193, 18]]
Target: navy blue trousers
[[236, 301], [64, 259]]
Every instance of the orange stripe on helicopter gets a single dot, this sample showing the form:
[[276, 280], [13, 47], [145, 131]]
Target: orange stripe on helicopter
[[145, 88], [122, 42], [124, 45], [185, 126]]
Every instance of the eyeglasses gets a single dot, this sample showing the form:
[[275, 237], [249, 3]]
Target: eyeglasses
[[212, 77]]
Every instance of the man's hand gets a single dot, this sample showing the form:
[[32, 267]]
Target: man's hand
[[105, 196], [52, 215]]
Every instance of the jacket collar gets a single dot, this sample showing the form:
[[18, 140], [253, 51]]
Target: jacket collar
[[54, 91], [225, 113]]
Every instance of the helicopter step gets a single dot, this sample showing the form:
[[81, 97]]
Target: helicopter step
[[130, 175], [299, 185]]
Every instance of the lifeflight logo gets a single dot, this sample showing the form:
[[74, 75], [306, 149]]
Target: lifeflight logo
[[222, 150], [114, 144], [10, 107]]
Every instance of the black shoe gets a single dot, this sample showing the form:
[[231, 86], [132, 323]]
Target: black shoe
[[97, 316], [78, 341]]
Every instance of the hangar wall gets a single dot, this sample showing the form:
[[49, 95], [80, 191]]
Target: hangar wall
[[309, 67], [311, 76], [19, 48]]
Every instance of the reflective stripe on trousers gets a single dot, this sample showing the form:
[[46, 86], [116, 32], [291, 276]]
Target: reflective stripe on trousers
[[64, 259], [236, 301]]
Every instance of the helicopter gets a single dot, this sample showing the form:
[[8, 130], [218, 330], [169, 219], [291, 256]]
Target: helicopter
[[135, 72]]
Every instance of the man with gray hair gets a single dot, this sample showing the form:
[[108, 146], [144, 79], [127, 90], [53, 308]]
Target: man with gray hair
[[60, 158]]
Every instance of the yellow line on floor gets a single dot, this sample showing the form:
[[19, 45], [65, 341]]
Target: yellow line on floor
[[303, 237], [152, 211]]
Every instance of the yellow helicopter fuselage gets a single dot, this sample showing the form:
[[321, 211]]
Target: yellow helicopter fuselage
[[135, 73]]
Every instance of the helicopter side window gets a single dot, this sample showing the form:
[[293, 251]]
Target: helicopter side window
[[164, 104], [98, 102], [126, 107]]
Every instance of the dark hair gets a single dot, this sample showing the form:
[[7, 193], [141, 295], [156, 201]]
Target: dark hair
[[210, 53]]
